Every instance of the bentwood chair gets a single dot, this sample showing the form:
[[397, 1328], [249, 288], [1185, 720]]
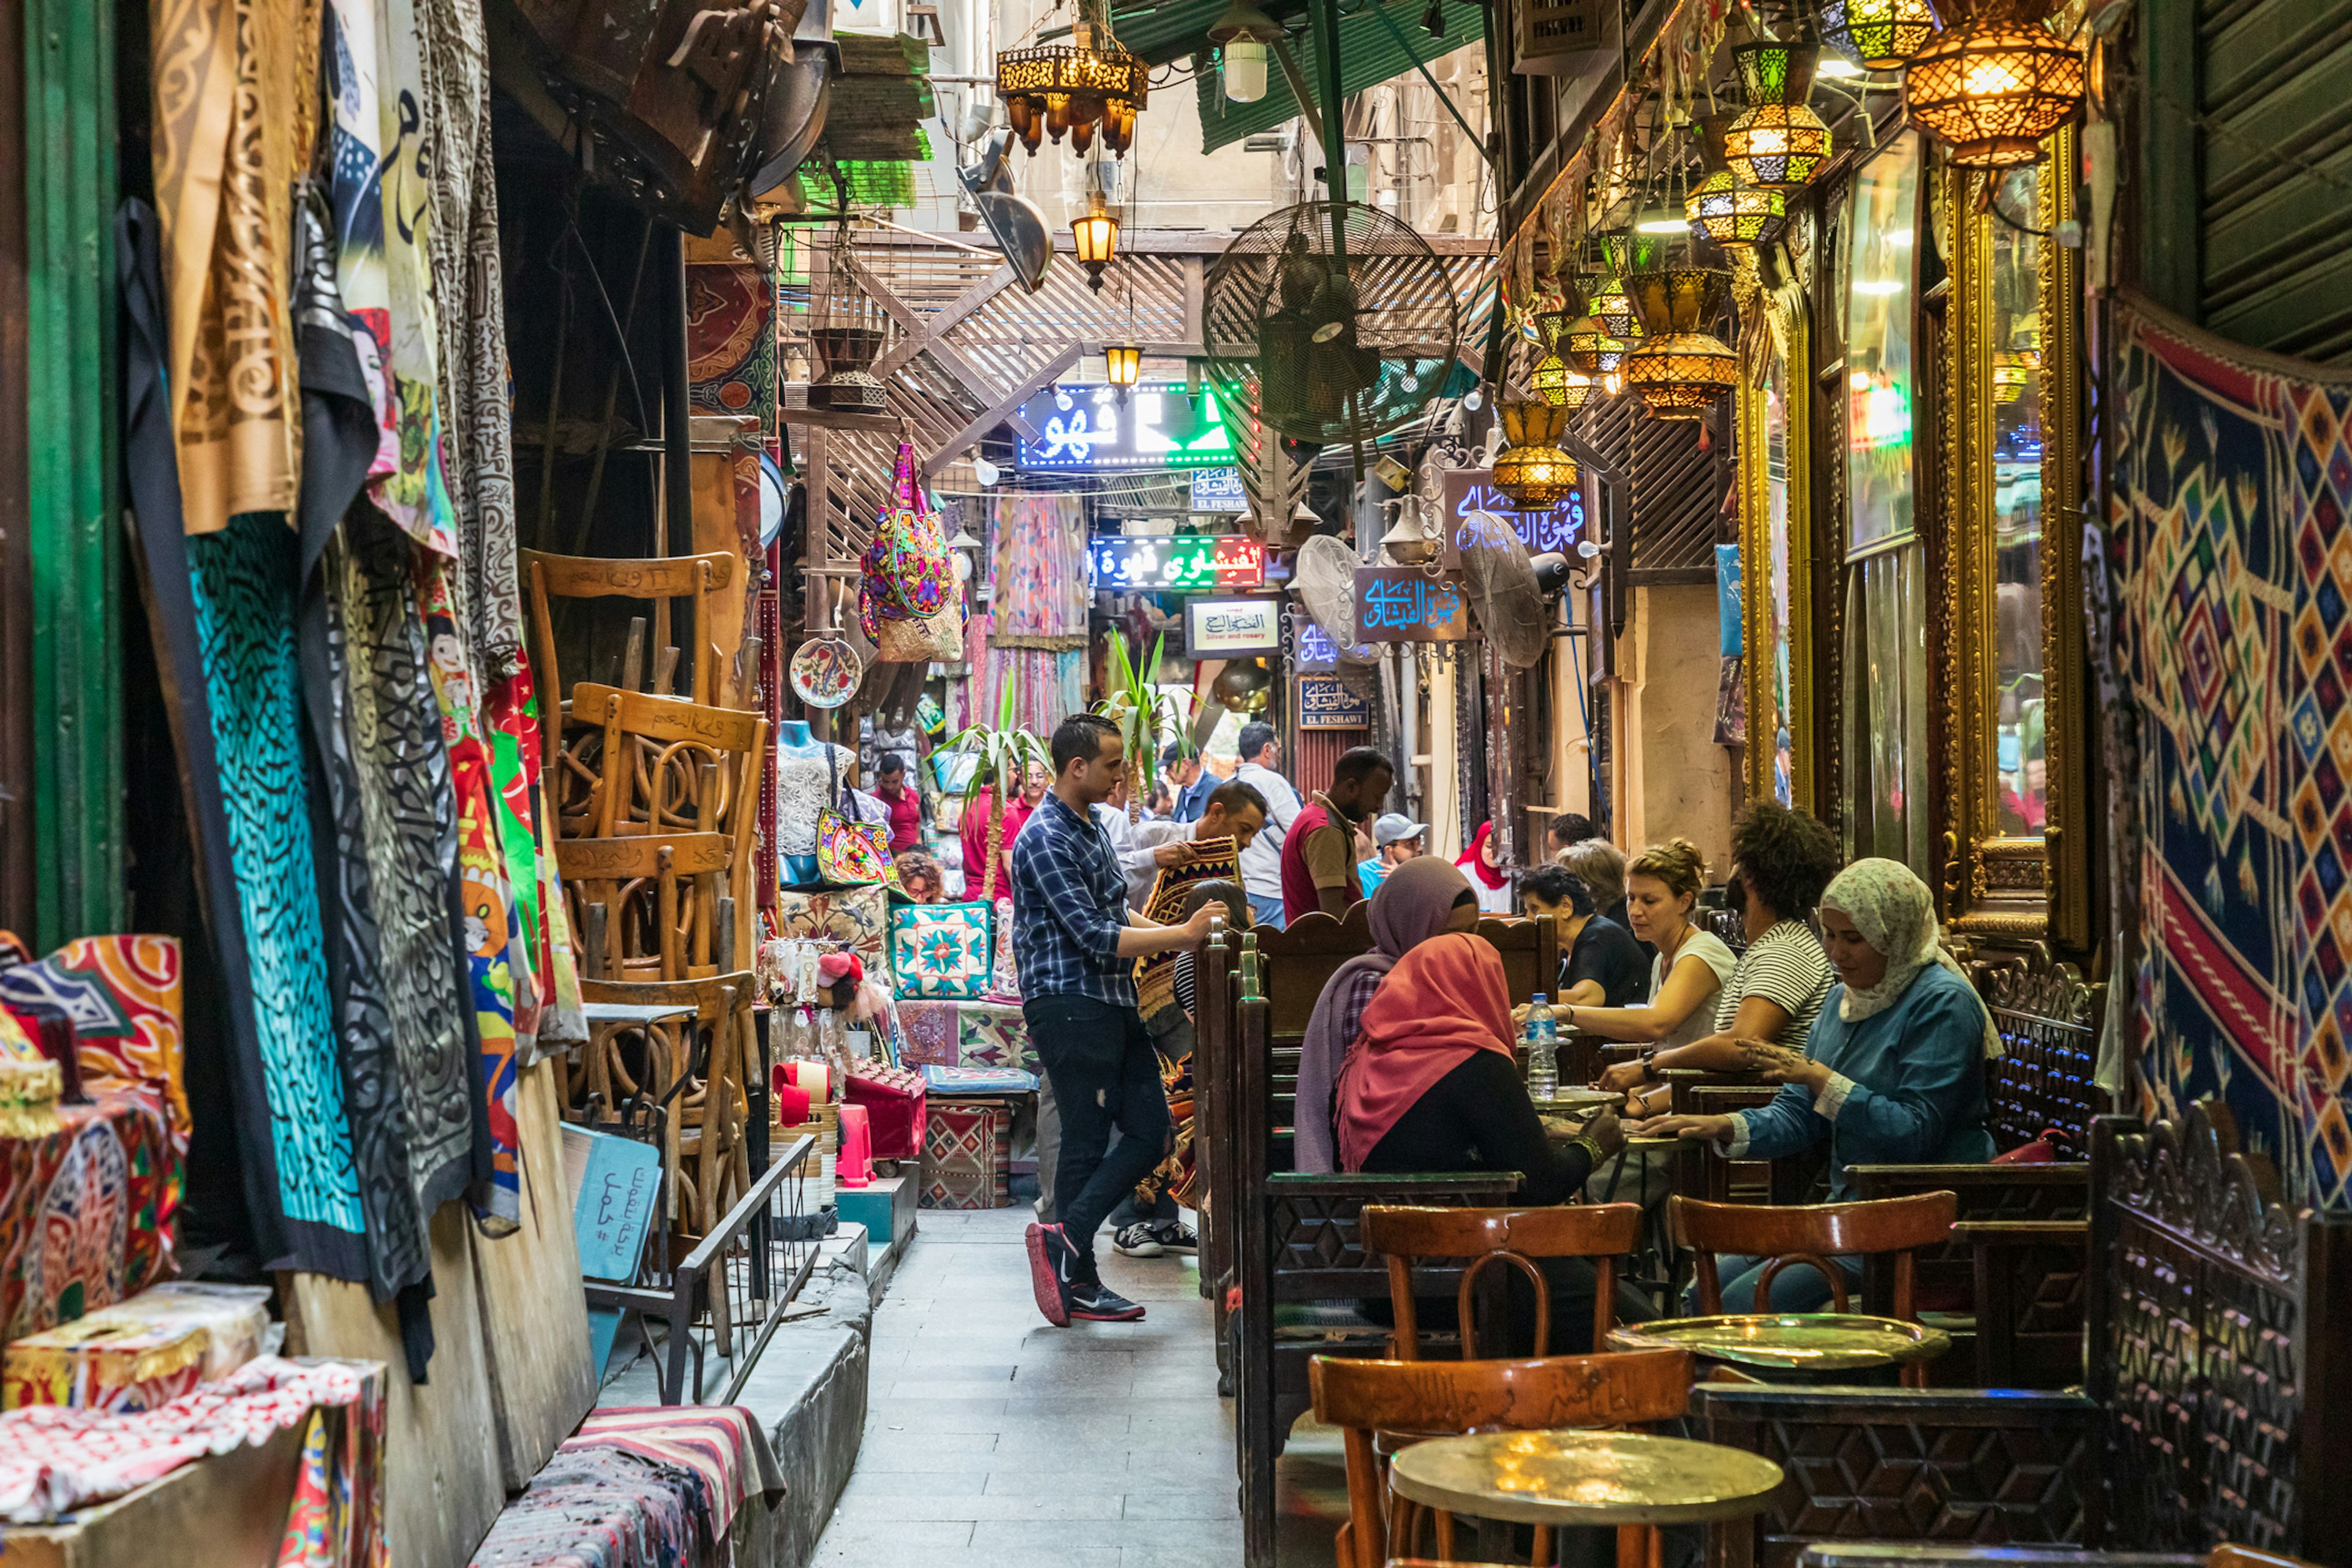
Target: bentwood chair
[[1512, 1239], [1810, 1235], [1364, 1398], [704, 1159], [656, 918], [707, 580]]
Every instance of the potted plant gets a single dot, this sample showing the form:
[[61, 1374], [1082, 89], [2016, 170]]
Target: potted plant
[[1141, 710], [1003, 751]]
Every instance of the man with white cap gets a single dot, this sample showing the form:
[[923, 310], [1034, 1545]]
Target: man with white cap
[[1396, 838]]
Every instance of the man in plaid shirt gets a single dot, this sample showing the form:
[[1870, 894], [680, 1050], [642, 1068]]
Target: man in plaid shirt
[[1077, 944]]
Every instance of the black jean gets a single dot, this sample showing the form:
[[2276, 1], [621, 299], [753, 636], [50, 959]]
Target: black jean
[[1106, 1076]]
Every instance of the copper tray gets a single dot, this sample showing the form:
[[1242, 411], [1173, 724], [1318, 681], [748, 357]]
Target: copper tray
[[1817, 1341]]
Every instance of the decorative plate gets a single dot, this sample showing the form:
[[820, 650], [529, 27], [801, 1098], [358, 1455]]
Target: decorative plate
[[825, 672]]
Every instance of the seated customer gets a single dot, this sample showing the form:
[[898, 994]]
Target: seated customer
[[1897, 1070], [1691, 965], [1601, 867], [1600, 965], [1415, 903]]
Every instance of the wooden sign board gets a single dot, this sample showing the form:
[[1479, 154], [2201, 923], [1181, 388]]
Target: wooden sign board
[[1326, 703], [1404, 603]]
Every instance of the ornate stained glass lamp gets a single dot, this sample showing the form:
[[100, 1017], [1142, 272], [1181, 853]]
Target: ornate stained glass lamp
[[1994, 83], [1877, 35], [1777, 140]]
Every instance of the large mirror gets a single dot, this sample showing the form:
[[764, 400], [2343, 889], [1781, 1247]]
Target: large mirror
[[2015, 798], [1776, 558]]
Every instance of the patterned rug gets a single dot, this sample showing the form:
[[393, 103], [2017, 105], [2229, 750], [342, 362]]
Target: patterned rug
[[2232, 488]]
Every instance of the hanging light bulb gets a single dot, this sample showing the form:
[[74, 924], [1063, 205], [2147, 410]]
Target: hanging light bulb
[[1246, 35], [1777, 140], [1995, 82], [985, 472], [1097, 235]]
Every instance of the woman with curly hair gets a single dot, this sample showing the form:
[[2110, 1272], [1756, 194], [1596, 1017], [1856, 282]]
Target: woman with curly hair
[[1781, 861]]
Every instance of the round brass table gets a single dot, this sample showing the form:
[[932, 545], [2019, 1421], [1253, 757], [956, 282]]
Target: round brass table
[[1813, 1341], [1576, 1102], [1577, 1477]]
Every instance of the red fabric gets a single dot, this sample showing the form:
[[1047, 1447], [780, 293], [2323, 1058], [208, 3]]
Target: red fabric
[[1299, 894], [1444, 1000], [974, 833], [892, 1098], [906, 816], [1472, 863], [2043, 1150]]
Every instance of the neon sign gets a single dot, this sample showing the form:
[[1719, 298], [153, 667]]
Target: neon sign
[[1175, 564], [1083, 429], [1468, 493]]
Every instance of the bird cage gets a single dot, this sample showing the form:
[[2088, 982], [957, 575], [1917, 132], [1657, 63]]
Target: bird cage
[[848, 330]]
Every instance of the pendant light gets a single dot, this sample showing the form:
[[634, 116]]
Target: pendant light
[[1533, 472], [1124, 362], [1549, 379], [1246, 37], [1096, 236], [1777, 141], [1877, 35], [1680, 369], [1722, 208], [1088, 85], [1994, 83]]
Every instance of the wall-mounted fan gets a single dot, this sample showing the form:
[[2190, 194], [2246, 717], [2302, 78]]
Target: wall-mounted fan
[[1503, 590], [1325, 578]]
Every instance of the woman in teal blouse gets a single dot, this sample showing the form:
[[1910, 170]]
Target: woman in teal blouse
[[1894, 1073]]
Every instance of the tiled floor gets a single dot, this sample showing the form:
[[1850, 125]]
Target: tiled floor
[[996, 1439]]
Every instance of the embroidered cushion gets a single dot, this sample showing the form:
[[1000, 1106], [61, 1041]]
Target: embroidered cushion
[[940, 951]]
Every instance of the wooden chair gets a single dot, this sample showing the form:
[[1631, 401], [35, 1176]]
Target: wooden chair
[[1813, 1234], [1365, 1398], [1514, 1238], [662, 579], [654, 929], [2048, 1020], [709, 1108]]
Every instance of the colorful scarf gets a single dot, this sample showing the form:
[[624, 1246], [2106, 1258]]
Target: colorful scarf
[[1444, 1001]]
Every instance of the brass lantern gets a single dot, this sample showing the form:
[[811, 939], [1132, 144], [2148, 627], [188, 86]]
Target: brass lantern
[[1995, 82], [1097, 235], [1722, 208], [1579, 391], [1680, 369], [1088, 85], [1533, 473], [1608, 305], [1124, 362], [1877, 35], [1589, 347], [1777, 140], [1549, 378]]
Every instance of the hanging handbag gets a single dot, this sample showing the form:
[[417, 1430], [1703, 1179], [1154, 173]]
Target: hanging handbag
[[908, 601], [850, 853]]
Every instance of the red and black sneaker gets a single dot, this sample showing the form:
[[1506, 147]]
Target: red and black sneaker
[[1051, 1264], [1097, 1303]]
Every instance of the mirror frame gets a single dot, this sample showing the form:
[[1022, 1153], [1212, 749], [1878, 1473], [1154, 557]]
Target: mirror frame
[[2016, 886], [1756, 547]]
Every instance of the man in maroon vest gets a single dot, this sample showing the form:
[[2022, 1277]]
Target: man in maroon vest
[[1319, 853]]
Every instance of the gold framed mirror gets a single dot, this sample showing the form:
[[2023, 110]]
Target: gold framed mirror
[[2015, 848], [1776, 549]]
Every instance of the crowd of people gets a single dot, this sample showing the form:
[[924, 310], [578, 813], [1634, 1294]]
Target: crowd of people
[[1842, 993]]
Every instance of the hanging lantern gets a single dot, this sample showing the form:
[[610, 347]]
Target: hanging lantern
[[1777, 140], [1097, 235], [1124, 362], [1245, 35], [1721, 208], [1680, 369], [1532, 472], [1553, 320], [1994, 83], [1877, 35], [1087, 85], [1579, 392], [1589, 346], [1549, 378], [1607, 304]]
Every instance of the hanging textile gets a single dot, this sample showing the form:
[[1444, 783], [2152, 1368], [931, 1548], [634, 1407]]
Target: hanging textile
[[2232, 482], [1033, 640], [89, 1214], [231, 136], [122, 995]]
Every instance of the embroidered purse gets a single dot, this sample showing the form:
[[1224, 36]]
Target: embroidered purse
[[850, 853]]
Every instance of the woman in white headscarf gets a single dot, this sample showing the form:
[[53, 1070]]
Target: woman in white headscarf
[[1895, 1070]]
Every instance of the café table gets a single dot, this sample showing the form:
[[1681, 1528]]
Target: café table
[[1577, 1479], [1800, 1342]]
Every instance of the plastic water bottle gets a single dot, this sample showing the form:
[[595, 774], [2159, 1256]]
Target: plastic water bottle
[[1542, 1036]]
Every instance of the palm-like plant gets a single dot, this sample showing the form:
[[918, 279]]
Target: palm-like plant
[[1003, 751], [1141, 710]]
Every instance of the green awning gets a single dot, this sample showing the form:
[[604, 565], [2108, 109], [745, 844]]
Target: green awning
[[1377, 44], [1371, 53]]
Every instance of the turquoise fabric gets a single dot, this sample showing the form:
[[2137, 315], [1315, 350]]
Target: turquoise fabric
[[1918, 1095]]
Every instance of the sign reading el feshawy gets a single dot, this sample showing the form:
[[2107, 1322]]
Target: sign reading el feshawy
[[1083, 429], [1175, 562], [1218, 628]]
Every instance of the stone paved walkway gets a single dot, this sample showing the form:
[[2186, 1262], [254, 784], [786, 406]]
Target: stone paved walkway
[[996, 1439]]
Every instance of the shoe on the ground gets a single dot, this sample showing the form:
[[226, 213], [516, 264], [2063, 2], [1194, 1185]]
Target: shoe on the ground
[[1141, 1240], [1052, 1264], [1176, 1236], [1097, 1303]]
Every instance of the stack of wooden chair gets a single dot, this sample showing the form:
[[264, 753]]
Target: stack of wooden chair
[[657, 798]]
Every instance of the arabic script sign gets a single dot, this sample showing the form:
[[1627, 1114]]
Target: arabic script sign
[[1176, 562], [1215, 629], [1219, 490], [1081, 428], [1404, 603], [1324, 703], [1468, 494]]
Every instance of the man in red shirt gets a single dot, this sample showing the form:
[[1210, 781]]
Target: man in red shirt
[[1319, 853], [895, 790]]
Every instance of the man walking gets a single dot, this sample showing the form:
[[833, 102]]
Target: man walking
[[1319, 853], [1262, 861], [1075, 944], [1192, 783]]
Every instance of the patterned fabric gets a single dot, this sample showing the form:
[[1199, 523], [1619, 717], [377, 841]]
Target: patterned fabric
[[994, 1034], [310, 1517], [1155, 977], [1178, 1175], [409, 811], [1042, 590], [601, 1508], [54, 1459], [244, 585], [979, 1081], [907, 575], [233, 127], [968, 1155], [730, 340], [2232, 487], [1069, 903], [88, 1215], [940, 951], [852, 851], [857, 917], [30, 1083], [139, 1354], [123, 993], [929, 1028], [723, 1446]]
